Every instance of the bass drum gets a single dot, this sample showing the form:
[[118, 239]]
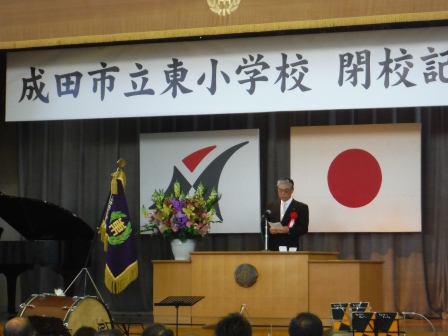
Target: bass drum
[[75, 312]]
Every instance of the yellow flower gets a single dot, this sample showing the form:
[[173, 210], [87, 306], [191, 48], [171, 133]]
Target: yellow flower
[[177, 190], [166, 210], [159, 216], [189, 211]]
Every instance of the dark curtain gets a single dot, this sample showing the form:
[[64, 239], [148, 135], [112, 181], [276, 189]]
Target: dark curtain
[[69, 163]]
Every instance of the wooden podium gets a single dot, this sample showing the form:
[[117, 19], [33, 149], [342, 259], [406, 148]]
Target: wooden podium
[[287, 283]]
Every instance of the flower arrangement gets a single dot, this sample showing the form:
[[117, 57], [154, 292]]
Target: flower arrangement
[[181, 216]]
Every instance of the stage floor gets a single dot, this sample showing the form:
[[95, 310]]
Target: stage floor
[[135, 323]]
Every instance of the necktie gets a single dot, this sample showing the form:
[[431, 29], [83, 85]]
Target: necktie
[[283, 210]]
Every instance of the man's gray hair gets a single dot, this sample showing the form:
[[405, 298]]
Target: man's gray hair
[[286, 180]]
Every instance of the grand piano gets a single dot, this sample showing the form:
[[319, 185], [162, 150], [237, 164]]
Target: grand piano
[[55, 237]]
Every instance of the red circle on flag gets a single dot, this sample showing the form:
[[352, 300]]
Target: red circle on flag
[[354, 178]]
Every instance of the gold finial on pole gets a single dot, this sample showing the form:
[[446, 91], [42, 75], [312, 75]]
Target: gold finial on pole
[[121, 163], [119, 174]]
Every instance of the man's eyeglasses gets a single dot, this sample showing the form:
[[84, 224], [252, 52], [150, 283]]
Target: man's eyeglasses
[[286, 190]]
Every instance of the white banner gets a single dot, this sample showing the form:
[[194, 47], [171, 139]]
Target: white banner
[[359, 178], [375, 69], [226, 160]]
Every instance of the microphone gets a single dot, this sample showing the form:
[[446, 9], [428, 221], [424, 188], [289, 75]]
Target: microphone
[[267, 213]]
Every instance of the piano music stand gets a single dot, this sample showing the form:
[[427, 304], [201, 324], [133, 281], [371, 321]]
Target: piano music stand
[[178, 301]]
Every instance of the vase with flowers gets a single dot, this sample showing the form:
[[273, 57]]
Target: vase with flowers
[[181, 218]]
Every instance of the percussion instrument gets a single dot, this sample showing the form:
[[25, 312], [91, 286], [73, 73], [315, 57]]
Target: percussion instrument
[[75, 312]]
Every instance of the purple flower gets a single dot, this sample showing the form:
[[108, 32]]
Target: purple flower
[[178, 204], [182, 219]]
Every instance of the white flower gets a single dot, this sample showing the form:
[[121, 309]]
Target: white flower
[[59, 292]]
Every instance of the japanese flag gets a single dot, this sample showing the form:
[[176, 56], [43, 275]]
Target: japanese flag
[[359, 178]]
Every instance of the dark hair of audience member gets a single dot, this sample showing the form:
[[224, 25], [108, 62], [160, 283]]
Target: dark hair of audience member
[[233, 324], [306, 324], [109, 332], [19, 326], [85, 331], [157, 329], [167, 332]]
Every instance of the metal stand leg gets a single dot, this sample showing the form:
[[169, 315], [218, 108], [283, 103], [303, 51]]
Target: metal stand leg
[[177, 319], [84, 270]]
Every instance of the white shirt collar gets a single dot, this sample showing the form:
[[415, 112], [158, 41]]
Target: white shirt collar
[[288, 202]]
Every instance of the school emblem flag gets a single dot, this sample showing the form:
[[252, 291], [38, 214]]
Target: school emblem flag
[[223, 7], [116, 234]]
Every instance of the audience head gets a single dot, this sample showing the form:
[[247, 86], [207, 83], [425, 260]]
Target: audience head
[[85, 331], [167, 332], [19, 326], [157, 329], [233, 325], [306, 324], [109, 332]]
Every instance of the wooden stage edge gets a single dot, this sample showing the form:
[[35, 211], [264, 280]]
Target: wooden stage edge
[[410, 328], [278, 331]]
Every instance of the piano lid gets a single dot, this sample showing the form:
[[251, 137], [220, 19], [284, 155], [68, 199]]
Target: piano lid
[[40, 220]]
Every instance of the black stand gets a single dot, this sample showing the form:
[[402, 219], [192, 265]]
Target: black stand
[[178, 301], [48, 326], [125, 327]]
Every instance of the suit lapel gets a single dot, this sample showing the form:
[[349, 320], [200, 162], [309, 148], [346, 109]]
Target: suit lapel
[[287, 216]]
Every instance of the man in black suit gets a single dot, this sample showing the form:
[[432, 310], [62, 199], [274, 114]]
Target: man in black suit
[[292, 214]]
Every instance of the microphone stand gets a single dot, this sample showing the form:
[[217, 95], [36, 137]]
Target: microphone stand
[[266, 233], [265, 217]]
